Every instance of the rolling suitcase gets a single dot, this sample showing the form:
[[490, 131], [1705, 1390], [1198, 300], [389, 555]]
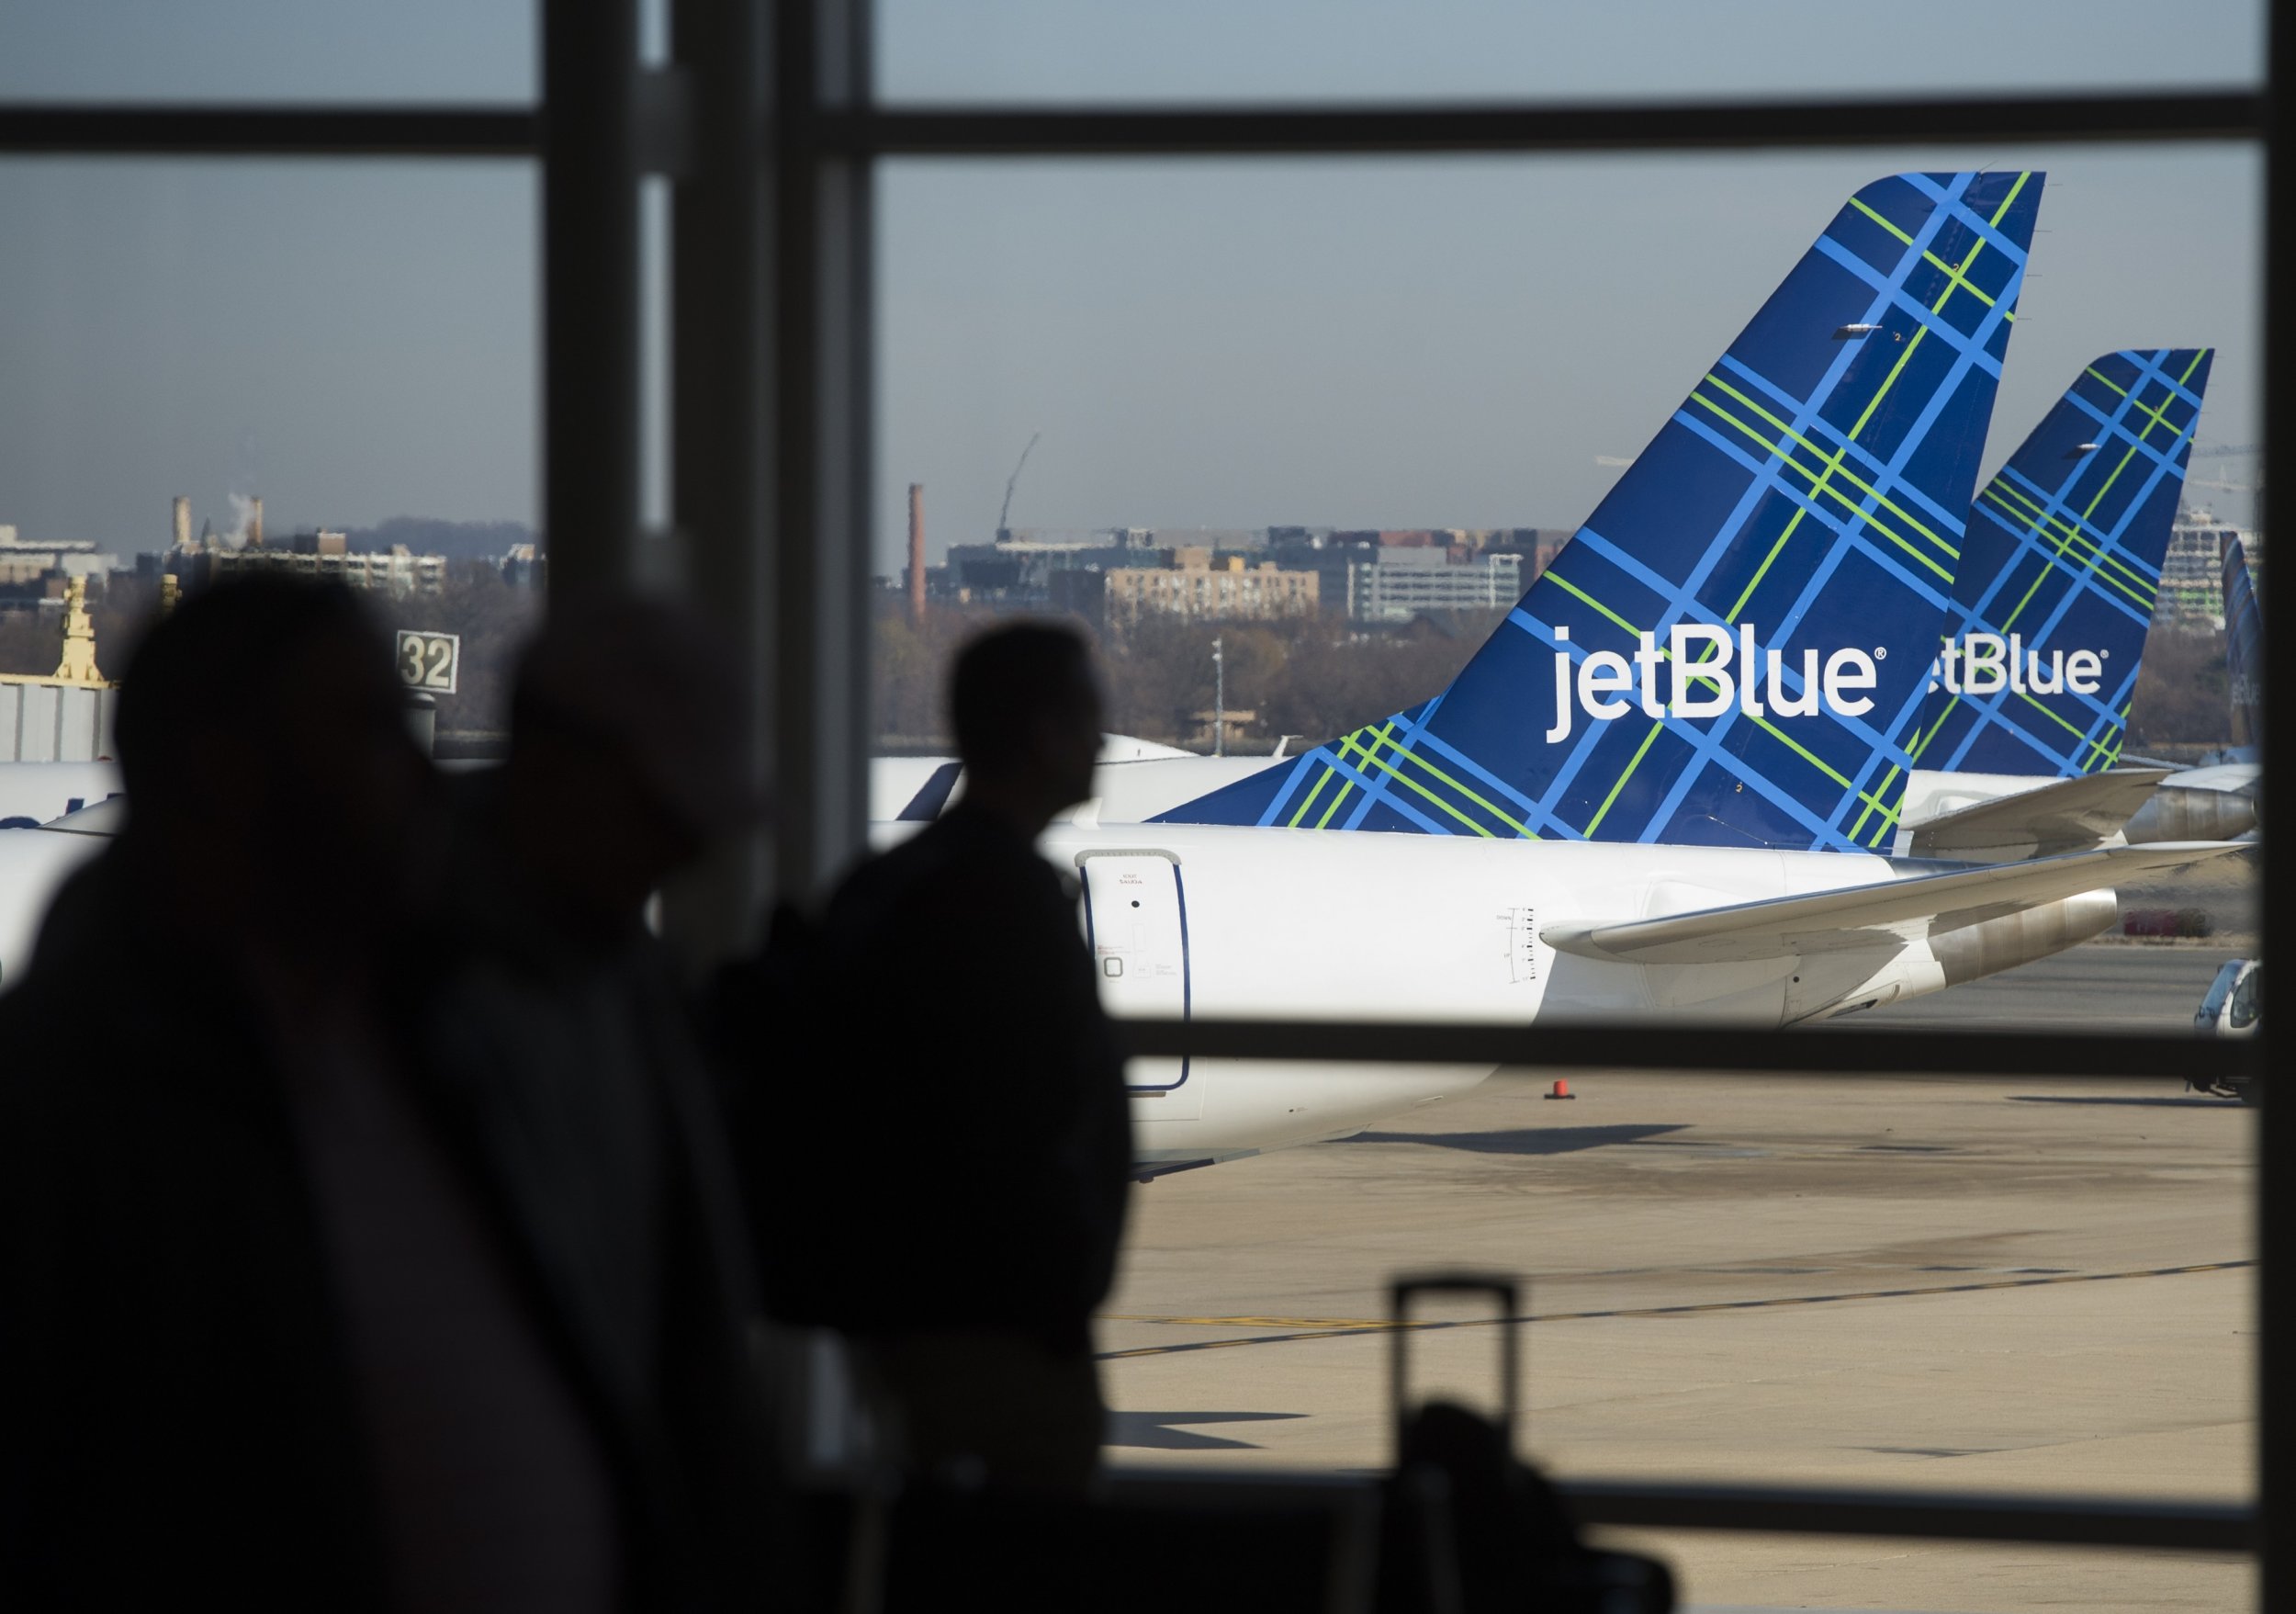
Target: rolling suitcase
[[1470, 1528]]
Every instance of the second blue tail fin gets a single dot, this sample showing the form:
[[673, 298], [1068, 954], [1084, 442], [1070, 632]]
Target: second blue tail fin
[[2060, 572], [2244, 646]]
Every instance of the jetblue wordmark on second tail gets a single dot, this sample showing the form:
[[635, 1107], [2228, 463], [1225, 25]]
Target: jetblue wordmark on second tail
[[1605, 675], [1987, 663]]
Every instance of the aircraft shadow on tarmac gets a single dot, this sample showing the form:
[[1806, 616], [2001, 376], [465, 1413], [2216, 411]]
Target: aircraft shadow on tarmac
[[2189, 1101], [1155, 1431], [1523, 1140]]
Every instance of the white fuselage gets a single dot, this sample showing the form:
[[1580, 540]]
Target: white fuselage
[[1194, 920], [34, 793], [33, 863], [1128, 789], [1221, 922]]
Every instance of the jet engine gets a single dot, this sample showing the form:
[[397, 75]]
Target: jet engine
[[1982, 949], [2178, 813]]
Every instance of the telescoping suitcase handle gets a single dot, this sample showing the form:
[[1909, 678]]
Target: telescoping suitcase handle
[[1504, 1290]]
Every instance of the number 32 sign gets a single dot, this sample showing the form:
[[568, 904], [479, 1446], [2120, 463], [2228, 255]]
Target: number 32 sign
[[428, 661]]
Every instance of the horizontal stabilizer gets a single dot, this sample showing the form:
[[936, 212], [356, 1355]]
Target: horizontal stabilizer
[[1886, 913], [2064, 815]]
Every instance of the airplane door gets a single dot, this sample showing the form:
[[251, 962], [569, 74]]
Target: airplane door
[[1136, 925]]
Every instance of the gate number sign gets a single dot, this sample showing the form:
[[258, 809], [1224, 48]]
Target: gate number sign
[[428, 661]]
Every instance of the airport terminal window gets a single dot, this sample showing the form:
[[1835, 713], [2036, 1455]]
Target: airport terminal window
[[221, 367], [1359, 52], [1724, 1271], [277, 52], [1150, 398]]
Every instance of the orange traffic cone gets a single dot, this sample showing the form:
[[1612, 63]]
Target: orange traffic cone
[[1561, 1089]]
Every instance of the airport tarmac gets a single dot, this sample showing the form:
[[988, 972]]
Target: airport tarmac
[[1991, 1284]]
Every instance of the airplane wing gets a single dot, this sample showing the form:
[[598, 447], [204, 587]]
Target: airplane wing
[[1886, 913], [2064, 815]]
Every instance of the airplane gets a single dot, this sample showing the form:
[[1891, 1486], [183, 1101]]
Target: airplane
[[1671, 781], [33, 792], [34, 865], [1669, 788]]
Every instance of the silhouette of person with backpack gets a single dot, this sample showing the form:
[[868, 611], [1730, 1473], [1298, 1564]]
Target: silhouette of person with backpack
[[945, 1183]]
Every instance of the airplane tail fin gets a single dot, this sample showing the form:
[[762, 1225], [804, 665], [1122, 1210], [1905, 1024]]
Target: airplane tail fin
[[2244, 646], [1735, 647], [2059, 575]]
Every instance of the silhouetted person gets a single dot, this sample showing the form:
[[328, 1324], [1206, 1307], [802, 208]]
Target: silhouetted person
[[565, 1033], [972, 1202], [300, 1303]]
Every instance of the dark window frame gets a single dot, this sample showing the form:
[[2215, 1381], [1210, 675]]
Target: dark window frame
[[764, 124]]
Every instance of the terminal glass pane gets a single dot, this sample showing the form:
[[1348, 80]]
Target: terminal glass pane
[[301, 52], [322, 367], [1361, 51], [1200, 408]]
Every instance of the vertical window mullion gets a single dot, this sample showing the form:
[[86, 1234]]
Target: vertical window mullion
[[820, 435], [590, 295]]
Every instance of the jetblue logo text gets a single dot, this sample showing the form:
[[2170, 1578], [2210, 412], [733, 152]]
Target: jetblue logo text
[[1709, 671], [1987, 663]]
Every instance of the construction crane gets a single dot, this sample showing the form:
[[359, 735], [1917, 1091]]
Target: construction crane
[[1004, 515]]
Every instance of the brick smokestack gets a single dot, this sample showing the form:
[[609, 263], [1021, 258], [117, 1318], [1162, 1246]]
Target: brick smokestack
[[254, 523], [183, 521], [916, 554]]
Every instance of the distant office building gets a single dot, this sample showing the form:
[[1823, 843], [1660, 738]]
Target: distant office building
[[325, 556], [1481, 556], [1403, 583], [525, 567], [1198, 588], [2191, 575], [21, 568], [1018, 571], [1220, 573], [1219, 540], [81, 557], [38, 574]]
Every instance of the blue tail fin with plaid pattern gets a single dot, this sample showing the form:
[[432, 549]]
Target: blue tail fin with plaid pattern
[[2244, 647], [1734, 649], [2059, 574]]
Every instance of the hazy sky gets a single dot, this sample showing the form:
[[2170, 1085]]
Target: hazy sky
[[1357, 343]]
